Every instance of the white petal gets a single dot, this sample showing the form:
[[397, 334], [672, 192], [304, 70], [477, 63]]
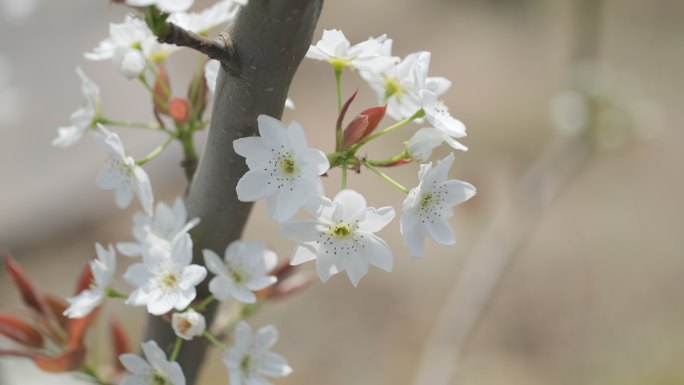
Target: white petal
[[350, 203], [192, 276], [440, 232], [302, 231], [376, 219], [356, 268], [213, 262], [264, 338], [302, 253], [134, 363], [144, 190], [274, 365], [254, 185], [459, 191], [377, 252]]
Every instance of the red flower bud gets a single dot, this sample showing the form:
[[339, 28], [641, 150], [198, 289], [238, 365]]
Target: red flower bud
[[354, 131], [179, 109]]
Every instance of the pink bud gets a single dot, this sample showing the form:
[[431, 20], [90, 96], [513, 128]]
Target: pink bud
[[162, 92], [179, 109]]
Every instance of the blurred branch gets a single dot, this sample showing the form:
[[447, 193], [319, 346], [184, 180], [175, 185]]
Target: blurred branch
[[270, 39], [500, 242]]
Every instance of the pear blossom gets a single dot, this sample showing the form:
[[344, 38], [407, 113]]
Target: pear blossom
[[399, 85], [130, 45], [342, 237], [162, 230], [249, 360], [156, 370], [189, 324], [167, 6], [282, 168], [244, 270], [84, 118], [437, 113], [103, 269], [122, 174], [211, 75], [213, 16], [428, 206], [165, 280], [365, 56]]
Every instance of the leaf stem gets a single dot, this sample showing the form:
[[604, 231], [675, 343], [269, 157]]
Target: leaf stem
[[386, 177], [338, 81], [218, 344], [205, 302], [176, 349], [155, 152], [131, 124]]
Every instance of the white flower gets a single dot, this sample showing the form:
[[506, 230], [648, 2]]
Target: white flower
[[437, 113], [426, 139], [202, 22], [211, 74], [157, 370], [249, 360], [429, 205], [244, 270], [122, 174], [84, 118], [341, 237], [167, 6], [366, 56], [130, 45], [399, 85], [103, 269], [165, 280], [167, 225], [282, 168], [189, 324]]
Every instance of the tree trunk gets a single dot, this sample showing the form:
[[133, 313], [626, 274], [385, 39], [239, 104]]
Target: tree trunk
[[270, 38]]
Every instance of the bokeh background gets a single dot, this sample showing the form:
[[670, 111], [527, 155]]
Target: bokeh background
[[590, 288]]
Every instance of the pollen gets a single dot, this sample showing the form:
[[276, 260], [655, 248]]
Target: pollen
[[426, 201], [340, 230], [392, 88], [170, 280], [246, 364], [159, 379]]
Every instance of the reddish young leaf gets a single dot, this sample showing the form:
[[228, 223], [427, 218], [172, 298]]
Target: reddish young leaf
[[70, 360], [78, 328], [343, 111], [162, 91], [16, 353], [197, 94], [374, 115], [355, 131], [120, 342], [26, 288], [85, 279], [19, 331], [293, 285], [58, 306]]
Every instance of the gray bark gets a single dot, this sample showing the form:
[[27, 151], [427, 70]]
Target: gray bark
[[269, 39]]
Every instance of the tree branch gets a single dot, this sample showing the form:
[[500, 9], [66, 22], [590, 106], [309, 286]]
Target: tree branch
[[220, 48], [270, 39]]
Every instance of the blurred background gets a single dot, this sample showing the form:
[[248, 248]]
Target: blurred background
[[569, 265]]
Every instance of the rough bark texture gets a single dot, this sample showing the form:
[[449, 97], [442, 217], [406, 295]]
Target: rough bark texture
[[270, 39]]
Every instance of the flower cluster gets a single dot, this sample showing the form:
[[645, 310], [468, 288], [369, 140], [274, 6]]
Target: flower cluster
[[339, 234]]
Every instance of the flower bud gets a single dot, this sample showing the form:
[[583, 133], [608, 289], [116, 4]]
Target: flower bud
[[188, 325], [179, 109], [162, 91], [363, 125]]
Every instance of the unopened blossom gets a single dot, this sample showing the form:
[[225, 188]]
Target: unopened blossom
[[365, 56], [121, 173], [399, 85], [84, 118], [211, 74], [165, 280], [428, 206], [250, 360], [341, 237], [213, 16], [189, 324], [102, 268], [243, 270], [437, 113], [161, 230], [167, 6], [156, 370], [282, 168]]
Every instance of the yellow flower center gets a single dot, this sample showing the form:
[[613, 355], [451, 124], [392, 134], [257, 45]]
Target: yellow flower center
[[340, 230]]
